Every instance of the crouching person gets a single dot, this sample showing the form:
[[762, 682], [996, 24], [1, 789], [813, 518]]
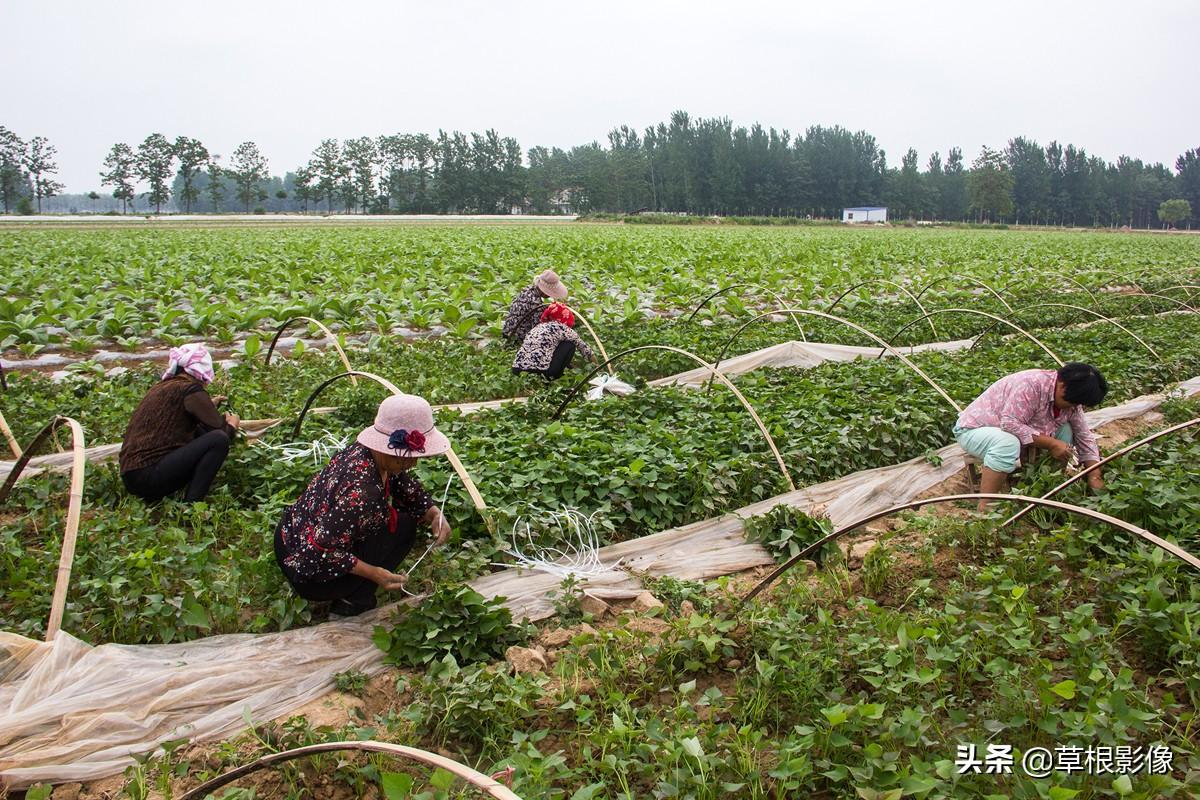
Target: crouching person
[[357, 520], [1039, 407], [176, 439], [551, 344]]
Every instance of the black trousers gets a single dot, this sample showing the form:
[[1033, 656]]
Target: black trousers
[[192, 466], [561, 359], [384, 549]]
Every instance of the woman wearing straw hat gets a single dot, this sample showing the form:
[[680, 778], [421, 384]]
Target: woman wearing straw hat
[[550, 346], [357, 519], [527, 307], [176, 438]]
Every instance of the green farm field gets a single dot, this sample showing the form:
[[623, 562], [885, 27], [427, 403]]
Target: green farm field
[[124, 287], [855, 679]]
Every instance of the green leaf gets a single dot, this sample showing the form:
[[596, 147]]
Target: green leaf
[[441, 779], [1062, 793], [1064, 689], [588, 792], [691, 746], [1123, 785], [396, 785], [195, 614]]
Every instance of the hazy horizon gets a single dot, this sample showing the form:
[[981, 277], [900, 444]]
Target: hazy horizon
[[933, 78]]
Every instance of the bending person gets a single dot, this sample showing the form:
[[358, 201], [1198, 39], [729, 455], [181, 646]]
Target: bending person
[[527, 307], [1040, 407], [357, 520], [550, 346], [176, 438]]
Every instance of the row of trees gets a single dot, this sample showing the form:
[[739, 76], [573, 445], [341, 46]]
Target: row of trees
[[699, 166], [157, 159], [26, 170]]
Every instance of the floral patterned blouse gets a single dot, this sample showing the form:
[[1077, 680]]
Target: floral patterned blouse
[[525, 312], [343, 506], [538, 348], [1023, 404]]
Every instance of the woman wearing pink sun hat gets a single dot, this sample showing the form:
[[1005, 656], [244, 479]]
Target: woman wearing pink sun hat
[[357, 520], [527, 307]]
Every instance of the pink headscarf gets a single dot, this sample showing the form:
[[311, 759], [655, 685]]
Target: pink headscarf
[[193, 359]]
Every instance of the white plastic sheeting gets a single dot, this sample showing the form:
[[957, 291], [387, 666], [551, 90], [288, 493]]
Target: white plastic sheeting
[[804, 355], [70, 712]]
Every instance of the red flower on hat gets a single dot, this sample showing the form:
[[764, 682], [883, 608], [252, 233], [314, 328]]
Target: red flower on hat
[[416, 441]]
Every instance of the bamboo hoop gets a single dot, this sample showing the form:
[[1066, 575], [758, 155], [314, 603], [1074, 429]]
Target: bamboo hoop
[[887, 346], [815, 547], [66, 558], [1096, 314], [968, 278], [451, 456], [1158, 296], [595, 338], [713, 371], [477, 779], [341, 353], [1082, 286], [899, 286], [778, 299], [993, 317], [8, 436], [1120, 276], [1088, 470]]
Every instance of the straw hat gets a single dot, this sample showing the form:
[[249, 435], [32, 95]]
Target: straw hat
[[549, 284], [404, 427]]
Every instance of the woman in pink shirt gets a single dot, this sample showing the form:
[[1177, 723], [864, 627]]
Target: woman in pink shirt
[[1041, 407]]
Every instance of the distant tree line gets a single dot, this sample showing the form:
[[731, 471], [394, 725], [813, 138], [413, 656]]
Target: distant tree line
[[683, 165]]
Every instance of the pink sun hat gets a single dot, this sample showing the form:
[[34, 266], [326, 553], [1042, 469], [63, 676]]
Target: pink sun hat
[[550, 285], [404, 427]]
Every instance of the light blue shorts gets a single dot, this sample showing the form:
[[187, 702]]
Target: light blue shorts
[[999, 450]]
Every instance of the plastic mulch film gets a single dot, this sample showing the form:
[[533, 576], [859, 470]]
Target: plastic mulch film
[[71, 712], [804, 355]]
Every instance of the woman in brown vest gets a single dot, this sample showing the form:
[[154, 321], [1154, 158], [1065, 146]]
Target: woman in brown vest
[[176, 438]]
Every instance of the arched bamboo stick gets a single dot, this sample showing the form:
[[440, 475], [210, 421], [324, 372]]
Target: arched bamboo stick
[[975, 281], [993, 317], [66, 558], [815, 547], [1120, 276], [1096, 314], [451, 456], [1158, 296], [778, 299], [1085, 472], [341, 353], [713, 371], [8, 436], [1082, 286], [477, 779], [899, 286], [887, 347], [595, 338]]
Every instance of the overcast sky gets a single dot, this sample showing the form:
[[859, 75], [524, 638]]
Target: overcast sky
[[1113, 77]]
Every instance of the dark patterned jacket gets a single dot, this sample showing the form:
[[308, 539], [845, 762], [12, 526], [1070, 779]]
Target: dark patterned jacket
[[538, 348], [525, 312], [345, 505]]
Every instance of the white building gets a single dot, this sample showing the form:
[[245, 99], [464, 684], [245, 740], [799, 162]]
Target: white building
[[865, 214]]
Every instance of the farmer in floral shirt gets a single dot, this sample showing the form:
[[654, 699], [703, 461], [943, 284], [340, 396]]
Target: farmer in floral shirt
[[357, 519], [550, 346], [1041, 407], [528, 305]]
